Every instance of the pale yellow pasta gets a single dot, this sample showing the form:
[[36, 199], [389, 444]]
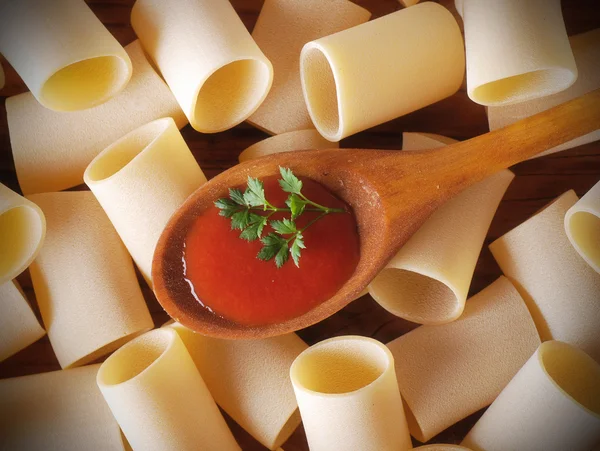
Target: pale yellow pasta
[[140, 181], [516, 50], [582, 224], [441, 447], [446, 373], [84, 281], [552, 404], [281, 30], [66, 57], [249, 379], [214, 68], [22, 232], [58, 411], [348, 396], [559, 287], [51, 150], [408, 3], [428, 280], [159, 399], [286, 142], [383, 69], [586, 50], [18, 325]]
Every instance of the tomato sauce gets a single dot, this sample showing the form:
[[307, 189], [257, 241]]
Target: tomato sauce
[[226, 277]]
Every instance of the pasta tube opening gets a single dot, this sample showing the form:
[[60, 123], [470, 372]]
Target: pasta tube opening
[[86, 83], [231, 94], [582, 229], [320, 92], [340, 366], [574, 372]]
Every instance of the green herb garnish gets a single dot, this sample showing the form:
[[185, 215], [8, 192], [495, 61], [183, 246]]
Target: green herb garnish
[[286, 239]]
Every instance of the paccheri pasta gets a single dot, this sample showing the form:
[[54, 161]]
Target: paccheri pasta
[[582, 223], [559, 287], [516, 51], [428, 280], [446, 373], [348, 396], [22, 232], [552, 404], [281, 30], [586, 50], [140, 181], [215, 70], [18, 325], [286, 142], [159, 399], [84, 281], [249, 379], [63, 53], [51, 150], [388, 67], [57, 411]]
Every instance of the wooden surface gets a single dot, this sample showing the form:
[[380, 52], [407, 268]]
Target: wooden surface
[[537, 182]]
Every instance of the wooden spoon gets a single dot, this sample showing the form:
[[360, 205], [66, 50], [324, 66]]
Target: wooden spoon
[[391, 192]]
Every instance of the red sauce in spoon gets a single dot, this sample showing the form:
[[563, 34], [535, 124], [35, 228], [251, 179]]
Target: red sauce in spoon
[[226, 277]]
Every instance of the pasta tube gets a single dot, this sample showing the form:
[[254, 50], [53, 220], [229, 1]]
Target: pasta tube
[[22, 232], [586, 50], [84, 281], [57, 411], [552, 404], [249, 379], [582, 223], [216, 71], [281, 30], [380, 70], [348, 396], [446, 373], [428, 280], [559, 287], [159, 399], [18, 325], [286, 142], [516, 51], [51, 150], [140, 181], [66, 57]]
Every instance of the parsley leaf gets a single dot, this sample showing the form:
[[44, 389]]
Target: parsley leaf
[[296, 248], [296, 205], [236, 196], [284, 227], [227, 207], [273, 246], [289, 182], [254, 196], [240, 220], [255, 228]]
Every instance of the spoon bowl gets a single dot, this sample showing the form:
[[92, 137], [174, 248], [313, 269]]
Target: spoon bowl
[[392, 193]]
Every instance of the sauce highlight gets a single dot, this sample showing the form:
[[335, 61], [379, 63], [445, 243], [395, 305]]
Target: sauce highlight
[[226, 278]]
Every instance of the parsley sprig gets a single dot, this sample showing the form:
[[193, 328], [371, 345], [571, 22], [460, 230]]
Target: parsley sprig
[[287, 239]]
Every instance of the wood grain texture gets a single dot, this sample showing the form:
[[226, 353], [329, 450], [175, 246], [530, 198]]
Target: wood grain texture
[[537, 182]]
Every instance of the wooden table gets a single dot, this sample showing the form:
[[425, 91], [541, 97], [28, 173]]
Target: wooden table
[[537, 182]]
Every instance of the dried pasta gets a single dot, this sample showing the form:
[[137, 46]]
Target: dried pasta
[[446, 373], [552, 404], [586, 50], [18, 325], [159, 399], [51, 150], [140, 181], [57, 411], [281, 30], [380, 70], [214, 68], [348, 396], [286, 142], [249, 379], [582, 223], [84, 281], [22, 232], [428, 280], [66, 57], [559, 287], [516, 51]]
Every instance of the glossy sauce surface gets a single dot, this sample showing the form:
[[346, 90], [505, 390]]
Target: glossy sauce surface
[[226, 277]]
